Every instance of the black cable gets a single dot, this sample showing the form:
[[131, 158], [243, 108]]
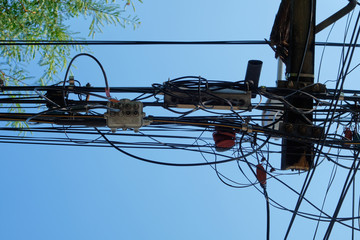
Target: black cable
[[353, 211], [115, 42], [310, 27], [267, 214]]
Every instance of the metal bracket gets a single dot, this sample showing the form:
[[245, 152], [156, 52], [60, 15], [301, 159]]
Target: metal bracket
[[336, 16], [302, 130], [220, 99], [303, 86]]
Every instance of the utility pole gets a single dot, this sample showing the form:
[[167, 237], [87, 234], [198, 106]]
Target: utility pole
[[300, 74]]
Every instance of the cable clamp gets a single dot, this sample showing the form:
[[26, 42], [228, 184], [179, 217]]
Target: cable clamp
[[341, 96], [71, 82], [246, 128], [307, 75]]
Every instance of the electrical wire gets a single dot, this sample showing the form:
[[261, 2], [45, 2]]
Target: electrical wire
[[115, 42]]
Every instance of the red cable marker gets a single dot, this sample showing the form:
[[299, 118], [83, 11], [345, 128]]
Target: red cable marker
[[107, 91]]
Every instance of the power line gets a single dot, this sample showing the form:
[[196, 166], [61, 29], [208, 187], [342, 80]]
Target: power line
[[118, 42]]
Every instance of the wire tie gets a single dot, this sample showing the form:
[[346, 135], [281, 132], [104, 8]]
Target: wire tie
[[341, 96], [246, 128], [308, 75]]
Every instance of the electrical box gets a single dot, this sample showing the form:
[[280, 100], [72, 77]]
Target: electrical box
[[125, 114], [217, 99]]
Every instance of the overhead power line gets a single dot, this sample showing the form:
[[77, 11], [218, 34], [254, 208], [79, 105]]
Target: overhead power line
[[116, 42]]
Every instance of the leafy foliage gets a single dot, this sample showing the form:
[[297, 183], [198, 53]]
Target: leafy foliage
[[49, 20]]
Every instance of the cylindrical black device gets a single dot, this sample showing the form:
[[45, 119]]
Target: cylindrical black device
[[252, 75]]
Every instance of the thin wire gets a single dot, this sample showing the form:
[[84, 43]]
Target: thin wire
[[323, 52]]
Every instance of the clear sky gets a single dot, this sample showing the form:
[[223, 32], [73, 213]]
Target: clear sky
[[54, 192]]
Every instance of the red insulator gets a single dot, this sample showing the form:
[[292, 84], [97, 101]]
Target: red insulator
[[261, 174], [348, 134], [224, 140]]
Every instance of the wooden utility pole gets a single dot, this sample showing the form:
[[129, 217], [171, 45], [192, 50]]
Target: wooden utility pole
[[300, 74]]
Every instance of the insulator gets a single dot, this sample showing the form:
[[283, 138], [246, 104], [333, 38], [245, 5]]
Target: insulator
[[71, 81], [348, 134], [261, 174], [224, 140]]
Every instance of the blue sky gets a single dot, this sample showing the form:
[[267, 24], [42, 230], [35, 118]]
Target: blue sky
[[54, 192]]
